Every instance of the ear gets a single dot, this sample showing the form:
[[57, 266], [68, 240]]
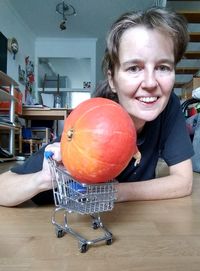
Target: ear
[[110, 81]]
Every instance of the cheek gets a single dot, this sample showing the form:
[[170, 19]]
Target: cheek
[[167, 84], [126, 86]]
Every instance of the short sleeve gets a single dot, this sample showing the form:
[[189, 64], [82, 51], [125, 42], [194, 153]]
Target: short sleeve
[[177, 145]]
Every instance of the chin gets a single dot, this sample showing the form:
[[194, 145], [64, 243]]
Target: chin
[[149, 117]]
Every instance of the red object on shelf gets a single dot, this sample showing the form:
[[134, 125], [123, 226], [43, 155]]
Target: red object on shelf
[[5, 105]]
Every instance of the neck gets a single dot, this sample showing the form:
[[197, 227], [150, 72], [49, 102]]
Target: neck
[[139, 124]]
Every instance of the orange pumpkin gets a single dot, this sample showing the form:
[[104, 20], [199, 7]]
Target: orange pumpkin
[[98, 141]]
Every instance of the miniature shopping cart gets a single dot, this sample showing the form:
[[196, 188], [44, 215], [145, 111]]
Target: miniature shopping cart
[[85, 199]]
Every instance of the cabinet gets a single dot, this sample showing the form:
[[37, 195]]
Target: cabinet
[[6, 83]]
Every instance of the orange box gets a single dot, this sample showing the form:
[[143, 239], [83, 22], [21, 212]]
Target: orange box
[[5, 105]]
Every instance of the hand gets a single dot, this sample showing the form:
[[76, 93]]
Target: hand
[[55, 149], [46, 173]]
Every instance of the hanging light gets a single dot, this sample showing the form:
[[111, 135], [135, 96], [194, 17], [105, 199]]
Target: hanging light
[[160, 3], [65, 10]]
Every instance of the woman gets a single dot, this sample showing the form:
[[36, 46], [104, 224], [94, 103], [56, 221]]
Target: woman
[[143, 49]]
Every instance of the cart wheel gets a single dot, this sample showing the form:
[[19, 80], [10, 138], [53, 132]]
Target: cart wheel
[[95, 225], [109, 242], [83, 248], [59, 233]]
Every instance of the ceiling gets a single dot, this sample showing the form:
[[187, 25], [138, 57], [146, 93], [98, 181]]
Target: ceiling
[[92, 20]]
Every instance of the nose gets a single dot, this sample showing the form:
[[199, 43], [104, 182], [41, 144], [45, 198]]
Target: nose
[[149, 80]]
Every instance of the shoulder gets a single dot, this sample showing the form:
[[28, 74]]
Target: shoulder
[[173, 104], [172, 111]]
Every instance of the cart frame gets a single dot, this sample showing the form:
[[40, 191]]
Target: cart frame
[[71, 196]]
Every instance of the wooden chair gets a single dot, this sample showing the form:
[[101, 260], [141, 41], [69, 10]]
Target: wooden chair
[[43, 133], [27, 138]]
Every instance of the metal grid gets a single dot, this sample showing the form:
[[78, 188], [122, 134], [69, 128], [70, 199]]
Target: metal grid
[[72, 196]]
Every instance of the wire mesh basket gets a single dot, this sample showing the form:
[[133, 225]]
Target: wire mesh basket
[[85, 199]]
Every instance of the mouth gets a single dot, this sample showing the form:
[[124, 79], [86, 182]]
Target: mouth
[[148, 100]]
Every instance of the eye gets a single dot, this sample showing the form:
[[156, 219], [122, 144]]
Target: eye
[[134, 68], [164, 68]]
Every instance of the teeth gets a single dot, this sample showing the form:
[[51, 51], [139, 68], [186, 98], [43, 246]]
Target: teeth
[[147, 99]]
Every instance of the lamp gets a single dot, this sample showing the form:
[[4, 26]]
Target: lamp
[[65, 10], [160, 3]]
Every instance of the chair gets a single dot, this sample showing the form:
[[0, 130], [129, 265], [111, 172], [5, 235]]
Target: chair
[[27, 138], [43, 133]]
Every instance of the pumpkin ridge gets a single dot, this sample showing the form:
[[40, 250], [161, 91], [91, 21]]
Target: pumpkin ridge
[[99, 140], [96, 130], [85, 131], [89, 157], [94, 108]]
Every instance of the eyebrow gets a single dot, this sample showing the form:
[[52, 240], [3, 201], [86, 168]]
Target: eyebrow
[[138, 60], [135, 60], [167, 60]]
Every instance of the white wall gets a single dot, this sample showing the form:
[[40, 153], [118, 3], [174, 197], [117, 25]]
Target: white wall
[[75, 70], [11, 25], [67, 48]]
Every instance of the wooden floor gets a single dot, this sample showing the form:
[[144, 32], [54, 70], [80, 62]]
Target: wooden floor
[[147, 236], [4, 166]]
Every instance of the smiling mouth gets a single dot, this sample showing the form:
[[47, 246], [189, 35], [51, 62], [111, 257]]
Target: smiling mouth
[[147, 99]]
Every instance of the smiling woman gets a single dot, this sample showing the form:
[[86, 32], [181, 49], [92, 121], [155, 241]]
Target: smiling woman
[[143, 85], [139, 68]]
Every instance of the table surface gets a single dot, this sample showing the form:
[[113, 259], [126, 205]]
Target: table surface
[[45, 113], [147, 236]]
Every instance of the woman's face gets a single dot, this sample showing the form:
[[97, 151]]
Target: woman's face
[[145, 76]]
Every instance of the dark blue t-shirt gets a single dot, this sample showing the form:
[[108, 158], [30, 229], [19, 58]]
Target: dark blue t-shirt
[[165, 137]]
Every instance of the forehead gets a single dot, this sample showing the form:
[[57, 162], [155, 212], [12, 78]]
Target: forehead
[[140, 40]]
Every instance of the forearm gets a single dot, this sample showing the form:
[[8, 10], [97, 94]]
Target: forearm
[[161, 188], [15, 188], [177, 184]]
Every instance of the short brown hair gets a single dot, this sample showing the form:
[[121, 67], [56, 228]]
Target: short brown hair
[[166, 21]]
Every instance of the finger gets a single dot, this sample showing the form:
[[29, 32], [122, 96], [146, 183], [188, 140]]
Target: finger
[[55, 149]]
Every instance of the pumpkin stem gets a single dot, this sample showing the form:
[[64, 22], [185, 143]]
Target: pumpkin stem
[[137, 157], [70, 133]]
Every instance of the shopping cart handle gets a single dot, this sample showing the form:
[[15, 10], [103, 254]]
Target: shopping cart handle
[[48, 154]]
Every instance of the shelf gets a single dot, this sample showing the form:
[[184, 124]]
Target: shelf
[[5, 96], [187, 70], [4, 125], [6, 81], [191, 16]]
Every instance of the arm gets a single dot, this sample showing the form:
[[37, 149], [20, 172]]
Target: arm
[[17, 188], [177, 184]]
